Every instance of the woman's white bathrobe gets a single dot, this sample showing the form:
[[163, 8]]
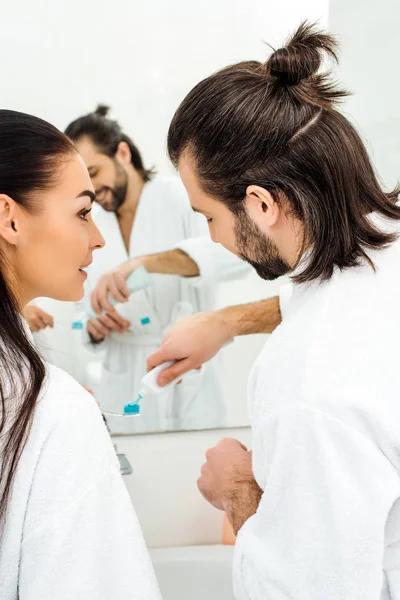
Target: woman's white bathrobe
[[324, 401], [71, 531]]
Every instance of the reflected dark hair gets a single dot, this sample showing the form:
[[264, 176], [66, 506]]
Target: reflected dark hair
[[106, 134], [275, 124], [31, 153]]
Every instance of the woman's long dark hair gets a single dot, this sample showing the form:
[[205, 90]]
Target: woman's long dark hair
[[106, 134], [31, 152], [275, 125]]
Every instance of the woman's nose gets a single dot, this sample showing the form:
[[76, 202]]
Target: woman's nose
[[96, 239]]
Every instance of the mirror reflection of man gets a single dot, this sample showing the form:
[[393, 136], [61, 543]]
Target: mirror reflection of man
[[147, 221]]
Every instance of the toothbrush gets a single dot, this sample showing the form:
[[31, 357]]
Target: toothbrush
[[74, 325]]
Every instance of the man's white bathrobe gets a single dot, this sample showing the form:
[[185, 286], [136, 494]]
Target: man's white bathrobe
[[324, 400]]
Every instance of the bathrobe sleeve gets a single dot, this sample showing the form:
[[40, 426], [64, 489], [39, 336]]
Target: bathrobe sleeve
[[319, 529], [81, 536]]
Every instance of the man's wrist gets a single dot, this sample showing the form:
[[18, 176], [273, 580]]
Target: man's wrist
[[139, 261], [241, 501], [233, 317], [227, 322]]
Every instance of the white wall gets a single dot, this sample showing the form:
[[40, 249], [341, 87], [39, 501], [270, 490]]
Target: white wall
[[368, 32], [59, 59]]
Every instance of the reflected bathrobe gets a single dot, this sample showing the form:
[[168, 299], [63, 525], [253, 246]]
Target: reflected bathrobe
[[71, 531], [324, 400], [164, 220]]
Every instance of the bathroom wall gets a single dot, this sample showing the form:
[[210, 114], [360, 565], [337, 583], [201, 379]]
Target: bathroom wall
[[59, 59], [368, 33]]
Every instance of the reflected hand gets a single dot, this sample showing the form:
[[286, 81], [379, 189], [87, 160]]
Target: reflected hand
[[192, 341], [223, 470], [113, 283], [37, 318], [88, 389], [102, 326]]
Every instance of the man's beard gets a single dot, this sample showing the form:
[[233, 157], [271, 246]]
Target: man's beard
[[118, 192], [260, 252]]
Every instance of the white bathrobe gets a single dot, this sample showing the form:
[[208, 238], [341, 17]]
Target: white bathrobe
[[164, 221], [71, 531], [324, 399]]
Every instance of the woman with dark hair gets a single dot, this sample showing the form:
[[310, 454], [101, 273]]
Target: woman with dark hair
[[67, 527], [285, 182]]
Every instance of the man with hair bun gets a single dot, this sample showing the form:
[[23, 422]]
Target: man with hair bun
[[286, 183]]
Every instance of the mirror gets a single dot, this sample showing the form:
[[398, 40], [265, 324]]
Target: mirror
[[142, 68]]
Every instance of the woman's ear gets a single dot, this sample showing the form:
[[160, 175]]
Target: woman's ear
[[261, 205], [9, 225]]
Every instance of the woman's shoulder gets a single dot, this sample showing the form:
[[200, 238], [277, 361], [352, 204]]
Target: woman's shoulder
[[63, 397], [65, 410]]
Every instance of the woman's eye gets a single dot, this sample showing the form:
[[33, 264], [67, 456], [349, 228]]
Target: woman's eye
[[84, 214], [209, 220]]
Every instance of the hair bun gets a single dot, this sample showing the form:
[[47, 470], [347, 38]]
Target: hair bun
[[102, 110], [302, 56]]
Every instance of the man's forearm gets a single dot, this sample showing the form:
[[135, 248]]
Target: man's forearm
[[243, 499], [171, 262], [258, 317]]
